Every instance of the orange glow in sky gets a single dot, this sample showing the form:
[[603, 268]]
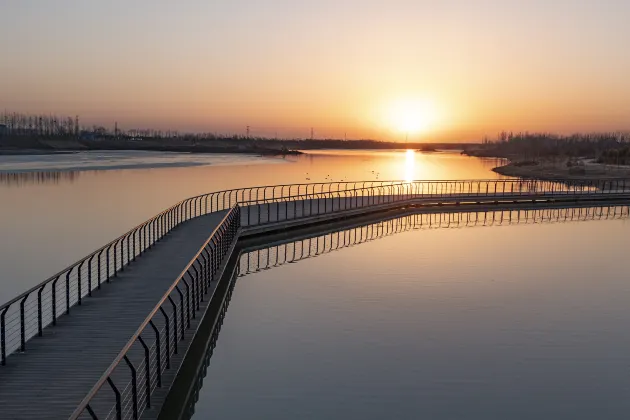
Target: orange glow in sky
[[453, 70]]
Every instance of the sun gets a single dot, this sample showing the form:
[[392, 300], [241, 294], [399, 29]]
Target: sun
[[410, 116]]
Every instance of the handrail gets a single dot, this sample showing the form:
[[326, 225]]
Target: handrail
[[228, 225], [66, 288]]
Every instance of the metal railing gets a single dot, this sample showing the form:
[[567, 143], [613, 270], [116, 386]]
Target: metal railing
[[265, 258], [265, 209], [27, 315], [138, 369]]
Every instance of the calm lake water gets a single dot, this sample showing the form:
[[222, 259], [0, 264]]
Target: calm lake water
[[55, 210], [526, 319], [501, 315]]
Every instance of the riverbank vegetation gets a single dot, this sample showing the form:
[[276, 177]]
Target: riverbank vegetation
[[546, 156]]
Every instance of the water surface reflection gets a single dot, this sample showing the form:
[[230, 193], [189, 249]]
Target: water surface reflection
[[435, 322], [60, 216], [19, 179]]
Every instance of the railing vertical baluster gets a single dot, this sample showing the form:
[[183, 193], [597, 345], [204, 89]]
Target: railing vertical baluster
[[40, 328], [147, 368], [197, 281], [68, 292], [175, 335], [115, 260], [99, 268], [181, 311], [194, 292], [158, 354], [79, 285], [22, 326], [91, 412], [167, 337], [118, 402], [54, 300], [3, 337], [187, 302], [90, 276], [134, 387]]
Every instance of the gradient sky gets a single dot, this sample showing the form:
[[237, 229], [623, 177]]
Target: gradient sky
[[285, 66]]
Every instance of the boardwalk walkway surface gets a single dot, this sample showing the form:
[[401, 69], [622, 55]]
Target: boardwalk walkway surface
[[50, 379]]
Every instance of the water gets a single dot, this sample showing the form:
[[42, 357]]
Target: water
[[51, 218], [501, 315], [527, 319]]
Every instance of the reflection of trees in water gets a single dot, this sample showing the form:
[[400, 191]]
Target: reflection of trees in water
[[493, 162], [19, 179], [266, 258]]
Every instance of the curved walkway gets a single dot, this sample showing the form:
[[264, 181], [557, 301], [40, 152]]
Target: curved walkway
[[51, 378]]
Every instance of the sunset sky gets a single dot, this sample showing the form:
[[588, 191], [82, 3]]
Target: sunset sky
[[440, 70]]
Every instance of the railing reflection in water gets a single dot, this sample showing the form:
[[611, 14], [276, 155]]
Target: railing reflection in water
[[266, 258]]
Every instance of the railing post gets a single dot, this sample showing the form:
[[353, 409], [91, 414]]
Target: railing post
[[118, 402], [22, 327], [194, 293], [3, 337], [122, 255], [174, 323], [197, 281], [147, 367], [90, 276], [107, 263], [68, 291], [134, 387], [115, 259], [187, 302], [54, 300], [158, 354], [99, 268], [79, 285], [91, 412], [39, 311], [134, 244], [181, 311], [168, 338]]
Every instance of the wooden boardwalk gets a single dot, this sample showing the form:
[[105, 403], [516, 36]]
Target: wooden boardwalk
[[55, 373]]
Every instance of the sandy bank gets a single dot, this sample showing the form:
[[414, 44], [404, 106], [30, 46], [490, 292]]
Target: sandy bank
[[585, 169]]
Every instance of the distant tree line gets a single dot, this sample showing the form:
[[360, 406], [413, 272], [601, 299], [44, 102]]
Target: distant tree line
[[23, 128], [548, 145], [39, 125]]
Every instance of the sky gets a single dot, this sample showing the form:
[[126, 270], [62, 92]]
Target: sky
[[389, 69]]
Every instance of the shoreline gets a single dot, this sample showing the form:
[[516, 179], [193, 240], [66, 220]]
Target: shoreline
[[191, 150], [587, 171]]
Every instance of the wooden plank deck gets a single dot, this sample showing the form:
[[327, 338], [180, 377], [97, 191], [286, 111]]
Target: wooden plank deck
[[50, 379]]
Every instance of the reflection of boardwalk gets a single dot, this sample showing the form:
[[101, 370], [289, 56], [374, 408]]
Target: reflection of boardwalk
[[296, 250]]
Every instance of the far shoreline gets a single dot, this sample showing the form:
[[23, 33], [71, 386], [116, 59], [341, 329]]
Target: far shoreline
[[585, 171]]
